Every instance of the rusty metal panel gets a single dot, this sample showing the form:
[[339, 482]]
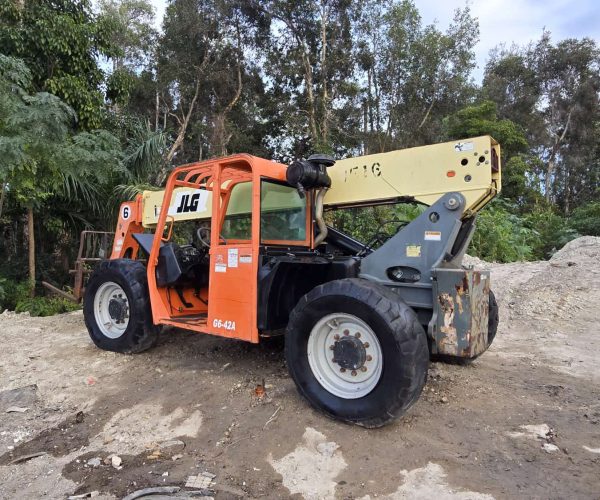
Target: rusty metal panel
[[461, 305]]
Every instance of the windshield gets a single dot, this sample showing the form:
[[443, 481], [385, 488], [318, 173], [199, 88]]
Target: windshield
[[282, 213]]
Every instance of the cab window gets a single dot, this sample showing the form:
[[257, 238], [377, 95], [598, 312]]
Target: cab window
[[282, 213], [238, 217]]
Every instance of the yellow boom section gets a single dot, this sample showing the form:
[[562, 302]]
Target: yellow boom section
[[470, 166]]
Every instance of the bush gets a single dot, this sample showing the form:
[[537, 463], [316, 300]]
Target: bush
[[45, 306], [502, 236], [586, 219], [365, 223], [14, 296], [11, 293], [552, 230]]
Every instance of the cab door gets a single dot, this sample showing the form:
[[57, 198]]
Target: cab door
[[233, 265]]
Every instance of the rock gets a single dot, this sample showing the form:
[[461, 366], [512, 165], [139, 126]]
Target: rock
[[23, 396], [591, 450], [201, 481], [444, 399], [550, 448], [16, 409], [116, 461], [147, 492], [176, 457], [94, 462], [172, 445], [327, 449]]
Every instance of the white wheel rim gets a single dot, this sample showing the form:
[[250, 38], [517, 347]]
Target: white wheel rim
[[339, 381], [110, 326]]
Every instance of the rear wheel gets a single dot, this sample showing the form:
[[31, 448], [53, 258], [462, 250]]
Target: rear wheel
[[116, 307], [357, 352], [493, 318]]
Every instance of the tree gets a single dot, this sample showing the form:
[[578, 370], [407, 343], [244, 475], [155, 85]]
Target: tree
[[134, 38], [553, 91], [415, 74], [40, 157], [132, 31], [311, 61], [61, 42], [203, 68]]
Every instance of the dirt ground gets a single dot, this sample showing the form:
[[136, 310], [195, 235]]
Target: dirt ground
[[522, 421]]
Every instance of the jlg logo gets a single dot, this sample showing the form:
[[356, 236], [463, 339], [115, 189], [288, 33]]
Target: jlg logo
[[189, 201]]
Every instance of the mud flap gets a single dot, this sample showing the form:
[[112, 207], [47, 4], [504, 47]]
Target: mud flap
[[459, 325]]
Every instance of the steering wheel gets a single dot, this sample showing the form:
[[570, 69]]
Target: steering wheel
[[203, 234]]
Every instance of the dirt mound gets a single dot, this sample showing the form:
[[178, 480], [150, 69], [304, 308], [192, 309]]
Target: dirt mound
[[580, 249], [554, 290]]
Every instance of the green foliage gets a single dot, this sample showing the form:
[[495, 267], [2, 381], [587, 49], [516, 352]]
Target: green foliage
[[14, 296], [40, 156], [119, 86], [482, 119], [46, 306], [502, 236], [61, 41], [586, 219], [373, 224], [552, 231], [12, 293]]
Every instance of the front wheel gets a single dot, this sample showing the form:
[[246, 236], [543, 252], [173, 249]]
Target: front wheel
[[357, 352], [116, 307]]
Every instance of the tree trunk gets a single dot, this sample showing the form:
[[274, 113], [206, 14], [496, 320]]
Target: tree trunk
[[308, 78], [325, 95], [183, 124], [221, 137], [552, 161], [548, 183], [156, 111], [2, 196], [31, 245]]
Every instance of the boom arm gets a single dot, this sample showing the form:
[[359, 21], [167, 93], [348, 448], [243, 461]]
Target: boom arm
[[470, 167]]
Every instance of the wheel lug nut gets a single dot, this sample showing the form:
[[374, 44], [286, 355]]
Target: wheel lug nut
[[343, 370], [333, 360], [363, 368], [366, 345], [369, 358], [357, 335], [353, 372], [346, 332]]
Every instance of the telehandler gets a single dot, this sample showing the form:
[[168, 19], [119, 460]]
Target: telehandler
[[238, 247]]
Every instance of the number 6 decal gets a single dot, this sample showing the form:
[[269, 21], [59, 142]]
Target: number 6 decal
[[125, 212]]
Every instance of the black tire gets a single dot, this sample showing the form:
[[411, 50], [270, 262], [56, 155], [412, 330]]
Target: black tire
[[493, 319], [403, 344], [130, 275]]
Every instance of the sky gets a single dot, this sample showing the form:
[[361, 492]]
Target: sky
[[506, 21]]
